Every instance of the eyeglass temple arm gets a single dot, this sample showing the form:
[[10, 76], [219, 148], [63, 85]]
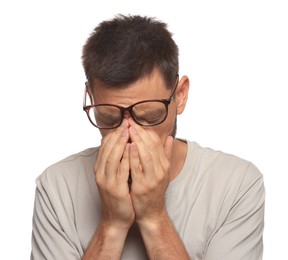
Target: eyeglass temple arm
[[175, 87], [86, 93]]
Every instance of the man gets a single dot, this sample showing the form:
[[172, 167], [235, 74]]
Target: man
[[144, 193]]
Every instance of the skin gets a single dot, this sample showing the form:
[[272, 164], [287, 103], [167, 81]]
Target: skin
[[153, 157]]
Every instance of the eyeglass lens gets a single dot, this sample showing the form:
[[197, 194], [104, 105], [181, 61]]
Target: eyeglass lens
[[145, 113]]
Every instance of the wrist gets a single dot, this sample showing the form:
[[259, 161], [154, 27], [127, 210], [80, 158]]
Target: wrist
[[154, 223], [114, 230], [108, 242]]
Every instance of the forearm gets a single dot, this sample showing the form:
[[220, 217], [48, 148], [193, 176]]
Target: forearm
[[162, 240], [107, 243]]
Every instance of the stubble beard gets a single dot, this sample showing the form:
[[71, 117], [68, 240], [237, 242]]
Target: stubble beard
[[174, 130]]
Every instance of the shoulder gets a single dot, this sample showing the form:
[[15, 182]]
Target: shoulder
[[221, 175], [68, 169], [226, 181], [217, 164]]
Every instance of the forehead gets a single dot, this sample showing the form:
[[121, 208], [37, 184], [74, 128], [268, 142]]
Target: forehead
[[146, 88]]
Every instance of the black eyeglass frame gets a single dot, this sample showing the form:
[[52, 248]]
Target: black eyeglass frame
[[129, 109]]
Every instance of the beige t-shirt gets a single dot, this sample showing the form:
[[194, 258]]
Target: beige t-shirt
[[216, 204]]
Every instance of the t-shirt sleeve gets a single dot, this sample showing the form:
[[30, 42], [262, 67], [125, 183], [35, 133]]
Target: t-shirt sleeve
[[240, 236], [49, 239]]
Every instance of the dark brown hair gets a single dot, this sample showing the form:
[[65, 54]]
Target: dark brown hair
[[122, 50]]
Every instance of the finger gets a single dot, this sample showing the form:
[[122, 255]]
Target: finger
[[105, 148], [138, 133], [163, 151], [135, 166], [100, 153], [144, 154], [148, 137], [114, 141], [123, 172], [116, 153]]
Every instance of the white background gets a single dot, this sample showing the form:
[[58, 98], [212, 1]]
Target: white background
[[235, 53]]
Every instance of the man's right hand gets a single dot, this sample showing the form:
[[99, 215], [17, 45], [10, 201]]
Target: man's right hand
[[112, 172]]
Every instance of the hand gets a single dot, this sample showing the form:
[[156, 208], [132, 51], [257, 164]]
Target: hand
[[150, 171], [112, 171]]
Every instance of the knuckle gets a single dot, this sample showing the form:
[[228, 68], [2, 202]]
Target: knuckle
[[160, 177], [147, 159], [166, 166], [99, 180], [110, 159]]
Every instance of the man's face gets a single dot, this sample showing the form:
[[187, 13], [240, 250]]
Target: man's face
[[148, 88]]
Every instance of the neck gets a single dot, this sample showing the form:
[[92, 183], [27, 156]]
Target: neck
[[178, 157]]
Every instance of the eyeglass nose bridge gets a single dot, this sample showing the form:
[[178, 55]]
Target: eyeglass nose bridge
[[127, 112]]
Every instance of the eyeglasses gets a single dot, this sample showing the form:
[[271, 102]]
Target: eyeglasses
[[145, 113]]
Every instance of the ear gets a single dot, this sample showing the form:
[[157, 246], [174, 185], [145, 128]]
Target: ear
[[182, 94]]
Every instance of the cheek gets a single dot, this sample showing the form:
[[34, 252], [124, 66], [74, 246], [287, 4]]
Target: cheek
[[168, 127], [170, 122]]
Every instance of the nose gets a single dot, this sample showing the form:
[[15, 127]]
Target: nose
[[127, 115]]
